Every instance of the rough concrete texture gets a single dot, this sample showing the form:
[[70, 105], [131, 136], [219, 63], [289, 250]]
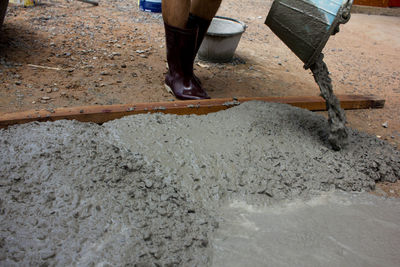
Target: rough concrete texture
[[148, 188], [257, 149], [69, 197], [337, 119]]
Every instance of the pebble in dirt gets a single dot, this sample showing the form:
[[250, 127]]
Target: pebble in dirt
[[154, 189]]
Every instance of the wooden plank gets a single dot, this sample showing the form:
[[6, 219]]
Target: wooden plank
[[394, 3], [379, 11], [378, 3], [101, 114]]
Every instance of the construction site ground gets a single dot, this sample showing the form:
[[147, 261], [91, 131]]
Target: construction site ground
[[114, 54]]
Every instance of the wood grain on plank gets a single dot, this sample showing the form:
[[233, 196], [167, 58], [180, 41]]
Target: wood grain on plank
[[378, 3], [101, 114]]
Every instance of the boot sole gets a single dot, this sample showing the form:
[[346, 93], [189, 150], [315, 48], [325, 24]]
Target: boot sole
[[169, 90]]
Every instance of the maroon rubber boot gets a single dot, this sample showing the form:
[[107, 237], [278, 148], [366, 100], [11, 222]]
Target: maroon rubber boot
[[181, 45], [203, 25]]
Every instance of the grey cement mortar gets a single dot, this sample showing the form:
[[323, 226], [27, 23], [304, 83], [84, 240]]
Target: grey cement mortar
[[70, 197], [258, 151], [149, 188], [337, 119]]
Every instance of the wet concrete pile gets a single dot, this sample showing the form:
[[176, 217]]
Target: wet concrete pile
[[257, 150], [149, 188], [69, 197]]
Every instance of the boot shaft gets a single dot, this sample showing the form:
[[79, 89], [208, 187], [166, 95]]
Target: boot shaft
[[181, 45], [202, 24]]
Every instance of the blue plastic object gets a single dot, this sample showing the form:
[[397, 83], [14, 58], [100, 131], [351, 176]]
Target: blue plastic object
[[150, 5]]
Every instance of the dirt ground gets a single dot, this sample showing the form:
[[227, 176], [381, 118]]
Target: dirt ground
[[114, 53]]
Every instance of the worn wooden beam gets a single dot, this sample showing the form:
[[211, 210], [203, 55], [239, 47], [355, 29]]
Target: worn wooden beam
[[378, 3], [101, 114]]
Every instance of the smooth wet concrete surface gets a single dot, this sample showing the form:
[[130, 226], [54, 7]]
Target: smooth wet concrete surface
[[335, 229], [158, 189]]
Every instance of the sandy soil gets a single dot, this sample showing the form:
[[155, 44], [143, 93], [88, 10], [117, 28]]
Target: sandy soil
[[115, 53]]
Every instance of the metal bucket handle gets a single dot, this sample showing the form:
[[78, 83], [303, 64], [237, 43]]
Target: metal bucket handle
[[346, 12], [345, 15]]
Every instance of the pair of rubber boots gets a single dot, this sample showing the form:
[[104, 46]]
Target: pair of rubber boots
[[182, 47]]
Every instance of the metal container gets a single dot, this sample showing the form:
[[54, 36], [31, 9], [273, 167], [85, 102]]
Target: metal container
[[306, 25], [3, 9], [221, 40]]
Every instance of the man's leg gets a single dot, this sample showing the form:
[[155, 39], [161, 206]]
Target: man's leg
[[205, 9], [181, 40], [201, 14], [176, 12]]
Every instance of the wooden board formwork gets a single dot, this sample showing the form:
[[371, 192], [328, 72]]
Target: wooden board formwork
[[378, 3], [101, 114]]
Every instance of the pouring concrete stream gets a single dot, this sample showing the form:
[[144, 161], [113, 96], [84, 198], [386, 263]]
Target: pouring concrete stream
[[305, 27]]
